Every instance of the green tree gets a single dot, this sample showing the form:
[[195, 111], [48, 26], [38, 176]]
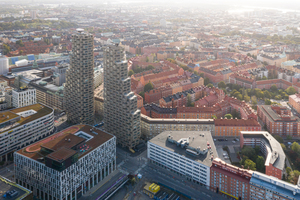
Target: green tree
[[264, 78], [214, 117], [189, 101], [290, 90], [274, 88], [278, 97], [228, 116], [210, 85], [130, 73], [202, 75], [142, 94], [267, 94], [283, 146], [249, 152], [148, 87], [6, 48], [288, 170], [246, 98], [221, 84], [296, 147], [260, 163], [278, 138], [268, 102], [239, 97], [20, 43], [253, 100], [249, 164], [289, 137], [147, 59], [206, 81]]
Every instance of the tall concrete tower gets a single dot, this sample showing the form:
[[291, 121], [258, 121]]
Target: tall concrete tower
[[79, 87], [121, 116]]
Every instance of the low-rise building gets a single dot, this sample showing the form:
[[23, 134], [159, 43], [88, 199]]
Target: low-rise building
[[67, 164], [23, 97], [188, 153], [264, 187], [11, 190], [22, 126], [270, 148], [232, 127], [230, 180]]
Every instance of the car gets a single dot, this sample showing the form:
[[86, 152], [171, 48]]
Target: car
[[215, 140], [233, 141], [226, 140]]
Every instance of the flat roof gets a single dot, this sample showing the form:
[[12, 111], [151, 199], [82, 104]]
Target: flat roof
[[276, 155], [7, 185], [57, 141], [147, 119], [273, 116], [196, 139], [62, 154], [40, 111]]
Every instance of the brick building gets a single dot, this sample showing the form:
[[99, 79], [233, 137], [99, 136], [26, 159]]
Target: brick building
[[294, 101], [242, 80], [232, 127], [232, 181], [278, 120]]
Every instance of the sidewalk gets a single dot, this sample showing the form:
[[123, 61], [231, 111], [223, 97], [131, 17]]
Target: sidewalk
[[101, 183]]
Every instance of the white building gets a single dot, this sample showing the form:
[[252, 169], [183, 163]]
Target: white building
[[188, 153], [98, 76], [23, 97], [22, 126], [4, 65], [66, 164]]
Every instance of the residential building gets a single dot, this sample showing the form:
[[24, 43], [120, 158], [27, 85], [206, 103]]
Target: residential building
[[294, 101], [230, 180], [264, 187], [269, 147], [121, 116], [60, 74], [67, 164], [232, 127], [151, 127], [11, 190], [23, 97], [23, 126], [188, 153], [3, 65], [279, 120], [79, 86], [272, 58]]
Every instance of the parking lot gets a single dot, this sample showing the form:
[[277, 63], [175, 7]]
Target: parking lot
[[233, 145]]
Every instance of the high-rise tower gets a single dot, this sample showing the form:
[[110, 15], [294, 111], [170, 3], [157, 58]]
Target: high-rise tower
[[79, 87], [121, 116]]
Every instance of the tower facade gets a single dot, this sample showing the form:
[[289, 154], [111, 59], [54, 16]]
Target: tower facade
[[79, 87], [121, 116]]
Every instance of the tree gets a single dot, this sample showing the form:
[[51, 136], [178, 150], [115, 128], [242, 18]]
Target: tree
[[142, 94], [202, 75], [228, 116], [267, 94], [278, 97], [249, 164], [296, 147], [221, 84], [210, 85], [239, 97], [214, 117], [264, 78], [288, 170], [260, 163], [253, 100], [236, 114], [283, 146], [246, 98], [130, 73], [268, 102], [274, 88], [189, 101], [6, 49], [278, 138], [20, 43], [206, 81], [148, 87], [290, 90], [249, 152], [147, 59], [289, 137]]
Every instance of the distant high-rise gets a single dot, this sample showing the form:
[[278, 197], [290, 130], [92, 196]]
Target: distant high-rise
[[121, 116], [79, 88]]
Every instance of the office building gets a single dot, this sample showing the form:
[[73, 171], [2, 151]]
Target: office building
[[67, 164], [22, 126], [279, 120], [264, 187], [121, 116], [11, 190], [269, 147], [79, 87], [230, 180], [23, 97], [188, 153]]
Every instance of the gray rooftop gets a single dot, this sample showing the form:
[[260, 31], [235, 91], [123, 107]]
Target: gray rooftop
[[6, 186], [196, 139], [276, 155]]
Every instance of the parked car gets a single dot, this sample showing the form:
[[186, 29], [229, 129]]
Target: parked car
[[233, 141]]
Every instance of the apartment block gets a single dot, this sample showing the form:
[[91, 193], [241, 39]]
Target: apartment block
[[121, 116], [67, 164], [294, 101], [279, 120], [230, 180]]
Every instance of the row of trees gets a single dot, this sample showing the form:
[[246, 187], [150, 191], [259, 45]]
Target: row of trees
[[138, 69]]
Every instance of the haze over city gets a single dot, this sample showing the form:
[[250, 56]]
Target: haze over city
[[141, 100]]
